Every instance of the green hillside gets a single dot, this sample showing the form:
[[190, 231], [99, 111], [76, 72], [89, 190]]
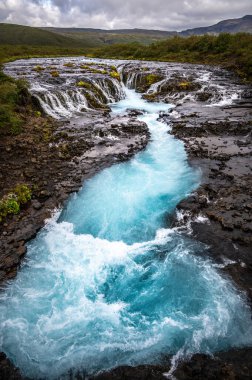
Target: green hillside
[[98, 37], [25, 35]]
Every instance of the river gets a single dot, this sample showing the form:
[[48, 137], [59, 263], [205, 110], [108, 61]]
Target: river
[[108, 282]]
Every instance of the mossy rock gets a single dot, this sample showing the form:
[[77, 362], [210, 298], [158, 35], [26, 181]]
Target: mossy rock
[[115, 74], [93, 103], [153, 78], [151, 97], [69, 64], [38, 68], [178, 85], [84, 84], [54, 74]]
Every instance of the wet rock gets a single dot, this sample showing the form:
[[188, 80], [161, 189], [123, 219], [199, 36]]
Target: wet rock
[[142, 372], [7, 370]]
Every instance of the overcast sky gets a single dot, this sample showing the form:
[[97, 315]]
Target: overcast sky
[[118, 14]]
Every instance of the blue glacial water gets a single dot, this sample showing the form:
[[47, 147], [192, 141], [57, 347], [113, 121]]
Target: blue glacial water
[[106, 284]]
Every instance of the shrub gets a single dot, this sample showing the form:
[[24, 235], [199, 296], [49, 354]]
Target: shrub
[[23, 193], [10, 203]]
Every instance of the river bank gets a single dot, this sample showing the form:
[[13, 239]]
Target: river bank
[[224, 160]]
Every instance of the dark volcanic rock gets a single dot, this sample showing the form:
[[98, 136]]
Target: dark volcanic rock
[[7, 370], [134, 373]]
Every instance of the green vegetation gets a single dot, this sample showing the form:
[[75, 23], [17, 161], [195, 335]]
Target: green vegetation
[[12, 95], [12, 202], [98, 37], [115, 74], [231, 51], [38, 68], [13, 34], [69, 64], [15, 100], [152, 78], [54, 73], [84, 84], [22, 193]]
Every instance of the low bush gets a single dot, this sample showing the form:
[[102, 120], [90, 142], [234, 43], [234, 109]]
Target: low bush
[[11, 203]]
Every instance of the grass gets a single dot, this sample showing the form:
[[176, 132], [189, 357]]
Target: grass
[[13, 34], [231, 51]]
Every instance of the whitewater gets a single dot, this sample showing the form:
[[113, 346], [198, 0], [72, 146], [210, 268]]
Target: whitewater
[[107, 282]]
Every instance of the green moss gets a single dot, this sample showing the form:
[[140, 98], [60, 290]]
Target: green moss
[[54, 74], [38, 68], [185, 85], [85, 67], [115, 74], [93, 69], [37, 113], [84, 84], [152, 78], [69, 64]]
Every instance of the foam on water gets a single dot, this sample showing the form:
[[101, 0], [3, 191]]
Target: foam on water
[[107, 284]]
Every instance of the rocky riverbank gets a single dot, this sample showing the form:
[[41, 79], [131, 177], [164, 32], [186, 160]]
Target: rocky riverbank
[[221, 147]]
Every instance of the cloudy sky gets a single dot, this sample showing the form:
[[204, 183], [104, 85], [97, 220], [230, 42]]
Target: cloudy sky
[[116, 14]]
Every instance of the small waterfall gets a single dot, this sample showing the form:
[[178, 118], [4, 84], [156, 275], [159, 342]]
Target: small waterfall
[[111, 89], [132, 78], [156, 87], [62, 103]]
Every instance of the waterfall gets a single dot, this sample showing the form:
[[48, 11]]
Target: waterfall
[[64, 102]]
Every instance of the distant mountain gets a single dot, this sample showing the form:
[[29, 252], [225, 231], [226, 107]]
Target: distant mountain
[[88, 37], [235, 25], [26, 35]]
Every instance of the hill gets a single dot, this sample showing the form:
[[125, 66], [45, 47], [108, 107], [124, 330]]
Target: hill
[[235, 25], [13, 34], [98, 37]]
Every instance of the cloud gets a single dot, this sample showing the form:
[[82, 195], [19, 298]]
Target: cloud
[[116, 14]]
